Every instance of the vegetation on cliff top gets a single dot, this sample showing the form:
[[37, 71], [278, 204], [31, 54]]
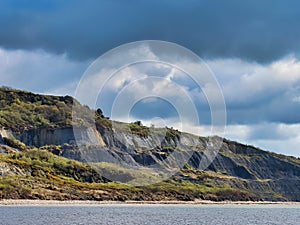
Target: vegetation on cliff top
[[24, 110], [21, 110]]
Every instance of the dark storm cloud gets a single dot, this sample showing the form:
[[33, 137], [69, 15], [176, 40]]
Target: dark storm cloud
[[254, 30]]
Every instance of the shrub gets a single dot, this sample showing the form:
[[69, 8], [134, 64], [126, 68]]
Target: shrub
[[138, 129], [14, 143]]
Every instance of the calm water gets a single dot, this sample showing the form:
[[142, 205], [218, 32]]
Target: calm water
[[151, 214]]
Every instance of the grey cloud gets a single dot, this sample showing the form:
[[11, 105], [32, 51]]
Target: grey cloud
[[253, 30]]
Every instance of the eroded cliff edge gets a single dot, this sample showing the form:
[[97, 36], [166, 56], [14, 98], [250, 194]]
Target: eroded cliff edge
[[43, 123]]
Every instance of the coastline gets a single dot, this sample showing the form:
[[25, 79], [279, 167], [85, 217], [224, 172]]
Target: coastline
[[28, 202]]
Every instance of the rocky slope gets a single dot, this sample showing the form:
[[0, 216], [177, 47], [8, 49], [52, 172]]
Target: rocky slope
[[107, 151]]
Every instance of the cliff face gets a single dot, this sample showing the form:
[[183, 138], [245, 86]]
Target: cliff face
[[58, 136], [261, 174], [268, 175]]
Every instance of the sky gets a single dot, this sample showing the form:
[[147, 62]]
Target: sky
[[251, 47]]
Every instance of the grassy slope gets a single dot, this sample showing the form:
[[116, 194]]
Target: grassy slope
[[24, 110], [20, 110], [37, 173]]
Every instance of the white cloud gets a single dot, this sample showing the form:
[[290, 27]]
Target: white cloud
[[39, 71], [277, 137], [296, 99], [243, 81], [244, 85], [255, 94], [101, 76], [286, 147]]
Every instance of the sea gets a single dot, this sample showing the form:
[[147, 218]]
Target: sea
[[281, 214]]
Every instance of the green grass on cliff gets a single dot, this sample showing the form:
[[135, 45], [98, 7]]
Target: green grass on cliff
[[39, 174], [25, 110], [21, 110]]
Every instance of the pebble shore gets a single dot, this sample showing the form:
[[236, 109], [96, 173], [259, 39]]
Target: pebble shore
[[26, 202]]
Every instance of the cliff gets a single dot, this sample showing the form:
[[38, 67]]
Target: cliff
[[113, 151]]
